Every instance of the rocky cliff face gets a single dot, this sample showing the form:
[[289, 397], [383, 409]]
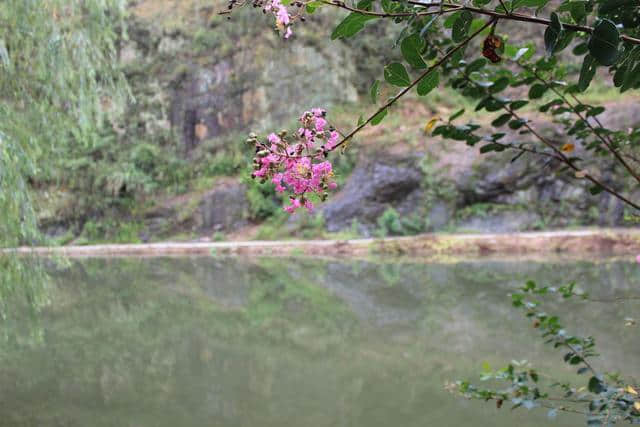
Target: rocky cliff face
[[206, 78], [201, 84]]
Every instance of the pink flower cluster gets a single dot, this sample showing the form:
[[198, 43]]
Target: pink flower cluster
[[283, 18], [299, 167]]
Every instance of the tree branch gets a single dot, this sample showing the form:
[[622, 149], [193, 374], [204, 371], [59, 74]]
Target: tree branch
[[607, 142], [415, 82]]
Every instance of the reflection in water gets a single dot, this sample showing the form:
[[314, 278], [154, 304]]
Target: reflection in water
[[272, 342]]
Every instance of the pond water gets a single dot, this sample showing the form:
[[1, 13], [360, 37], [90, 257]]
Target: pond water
[[213, 341]]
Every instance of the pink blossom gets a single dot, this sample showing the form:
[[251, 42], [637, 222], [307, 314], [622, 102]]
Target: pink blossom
[[320, 124], [300, 168], [295, 204], [273, 138], [638, 259], [283, 18], [332, 140]]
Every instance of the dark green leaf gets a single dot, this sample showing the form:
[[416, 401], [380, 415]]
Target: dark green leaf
[[375, 90], [587, 72], [578, 11], [516, 105], [499, 85], [457, 114], [396, 74], [461, 26], [428, 83], [552, 33], [581, 49], [603, 43], [378, 117], [608, 6], [537, 91], [502, 120], [490, 147], [411, 47], [596, 189], [350, 25], [476, 65], [529, 3]]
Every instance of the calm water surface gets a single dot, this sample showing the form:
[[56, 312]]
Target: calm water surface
[[292, 342]]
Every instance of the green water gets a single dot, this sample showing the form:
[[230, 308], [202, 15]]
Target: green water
[[285, 342]]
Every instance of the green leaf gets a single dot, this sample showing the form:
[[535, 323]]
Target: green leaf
[[537, 91], [411, 47], [499, 85], [587, 72], [501, 121], [388, 6], [397, 75], [596, 189], [457, 114], [461, 26], [378, 117], [448, 23], [516, 105], [580, 49], [609, 6], [360, 120], [375, 90], [578, 11], [603, 43], [552, 33], [312, 6], [350, 25], [480, 3], [428, 83], [491, 147], [529, 3], [516, 123], [476, 65]]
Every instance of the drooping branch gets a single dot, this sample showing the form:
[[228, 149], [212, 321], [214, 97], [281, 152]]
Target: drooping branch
[[559, 155], [450, 7], [605, 140]]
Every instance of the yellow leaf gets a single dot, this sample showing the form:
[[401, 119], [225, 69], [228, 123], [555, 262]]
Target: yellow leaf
[[430, 124], [567, 148], [631, 390], [636, 406], [581, 174]]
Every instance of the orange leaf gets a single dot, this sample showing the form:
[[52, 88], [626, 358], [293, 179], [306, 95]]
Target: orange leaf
[[567, 148], [430, 124]]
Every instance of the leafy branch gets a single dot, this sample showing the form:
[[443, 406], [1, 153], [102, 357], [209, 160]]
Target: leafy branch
[[606, 399]]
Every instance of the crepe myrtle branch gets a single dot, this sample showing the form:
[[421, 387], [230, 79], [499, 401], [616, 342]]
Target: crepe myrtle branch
[[450, 7], [342, 5], [570, 162], [605, 140], [559, 155], [428, 71]]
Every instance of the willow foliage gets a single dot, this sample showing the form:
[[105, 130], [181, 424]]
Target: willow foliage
[[58, 75]]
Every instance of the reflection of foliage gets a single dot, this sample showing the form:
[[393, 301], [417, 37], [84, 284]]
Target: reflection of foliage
[[269, 341], [606, 399]]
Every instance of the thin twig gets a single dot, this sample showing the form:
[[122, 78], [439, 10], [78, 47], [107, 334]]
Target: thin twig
[[559, 154], [523, 18], [606, 142]]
